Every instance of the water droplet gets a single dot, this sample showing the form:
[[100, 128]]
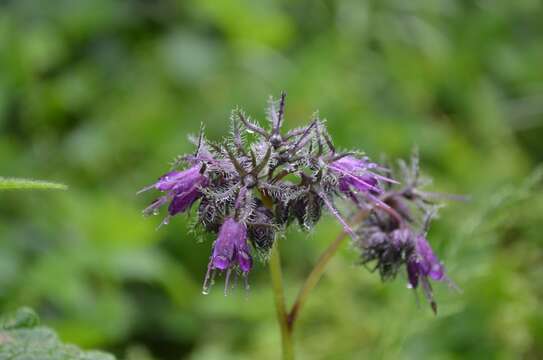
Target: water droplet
[[205, 291], [155, 212], [250, 131], [409, 286]]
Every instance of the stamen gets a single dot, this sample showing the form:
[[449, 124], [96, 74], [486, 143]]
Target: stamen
[[227, 281], [147, 188]]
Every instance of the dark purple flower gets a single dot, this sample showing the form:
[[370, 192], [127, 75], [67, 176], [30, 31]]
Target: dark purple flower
[[230, 251], [385, 249], [388, 241], [182, 189]]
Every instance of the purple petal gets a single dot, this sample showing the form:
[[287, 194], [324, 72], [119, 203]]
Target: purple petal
[[183, 201], [430, 264], [245, 262], [350, 163], [166, 182], [220, 262], [363, 183], [231, 247], [180, 181], [436, 272]]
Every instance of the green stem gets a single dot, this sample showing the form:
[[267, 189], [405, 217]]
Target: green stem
[[314, 278], [317, 272], [279, 296]]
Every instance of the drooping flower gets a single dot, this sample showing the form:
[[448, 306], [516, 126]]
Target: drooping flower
[[384, 244], [424, 264], [230, 252], [427, 261], [388, 240], [181, 188]]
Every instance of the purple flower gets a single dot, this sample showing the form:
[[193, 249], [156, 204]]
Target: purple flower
[[355, 173], [424, 264], [230, 251], [182, 189], [388, 241]]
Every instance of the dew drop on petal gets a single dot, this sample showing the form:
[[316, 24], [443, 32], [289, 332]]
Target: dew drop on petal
[[207, 286], [208, 281]]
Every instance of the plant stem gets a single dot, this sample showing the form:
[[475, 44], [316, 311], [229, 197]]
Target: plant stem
[[317, 272], [279, 296], [314, 278]]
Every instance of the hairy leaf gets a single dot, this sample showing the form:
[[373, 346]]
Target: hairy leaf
[[22, 338], [28, 184]]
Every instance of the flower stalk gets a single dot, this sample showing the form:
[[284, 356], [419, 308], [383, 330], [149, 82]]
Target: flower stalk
[[276, 275], [313, 278], [318, 270]]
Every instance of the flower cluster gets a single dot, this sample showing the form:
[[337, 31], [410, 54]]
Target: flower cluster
[[250, 187], [394, 236]]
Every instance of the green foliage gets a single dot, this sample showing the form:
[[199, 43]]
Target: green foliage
[[26, 184], [101, 95], [21, 338]]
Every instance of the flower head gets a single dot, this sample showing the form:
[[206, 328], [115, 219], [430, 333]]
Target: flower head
[[393, 237], [384, 244], [230, 251], [251, 188]]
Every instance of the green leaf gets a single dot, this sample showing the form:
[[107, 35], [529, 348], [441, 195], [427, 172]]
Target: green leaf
[[22, 318], [24, 184], [21, 338]]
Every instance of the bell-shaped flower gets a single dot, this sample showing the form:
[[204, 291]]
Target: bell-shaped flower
[[230, 251], [181, 188]]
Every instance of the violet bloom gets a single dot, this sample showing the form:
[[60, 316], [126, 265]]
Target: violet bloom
[[424, 264], [181, 188], [355, 173], [230, 251]]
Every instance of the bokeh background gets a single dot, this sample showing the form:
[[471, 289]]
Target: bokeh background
[[101, 94]]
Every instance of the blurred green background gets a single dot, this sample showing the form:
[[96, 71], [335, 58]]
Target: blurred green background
[[101, 95]]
